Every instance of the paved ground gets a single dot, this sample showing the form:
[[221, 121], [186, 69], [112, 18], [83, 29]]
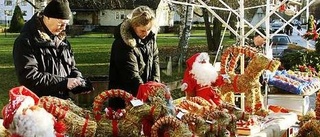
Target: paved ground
[[302, 42], [297, 38]]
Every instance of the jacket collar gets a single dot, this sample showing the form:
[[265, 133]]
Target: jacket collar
[[128, 35], [42, 34]]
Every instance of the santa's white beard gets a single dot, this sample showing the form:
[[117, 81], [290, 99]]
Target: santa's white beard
[[36, 123], [204, 73]]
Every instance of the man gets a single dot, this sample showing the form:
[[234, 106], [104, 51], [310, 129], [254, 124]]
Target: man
[[43, 58]]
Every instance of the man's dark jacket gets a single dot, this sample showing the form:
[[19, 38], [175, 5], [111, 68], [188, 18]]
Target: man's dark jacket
[[40, 65], [133, 61]]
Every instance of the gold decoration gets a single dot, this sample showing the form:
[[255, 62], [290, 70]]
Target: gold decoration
[[248, 82]]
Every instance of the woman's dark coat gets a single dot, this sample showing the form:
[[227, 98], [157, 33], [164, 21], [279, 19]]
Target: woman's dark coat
[[133, 61]]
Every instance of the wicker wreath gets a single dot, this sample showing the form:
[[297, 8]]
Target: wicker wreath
[[104, 96]]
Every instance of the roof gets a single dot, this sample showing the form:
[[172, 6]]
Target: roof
[[96, 5]]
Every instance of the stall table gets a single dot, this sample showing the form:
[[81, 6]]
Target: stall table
[[279, 125], [299, 104]]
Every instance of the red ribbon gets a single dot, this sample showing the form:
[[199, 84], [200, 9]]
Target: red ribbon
[[115, 129], [235, 83], [269, 64], [83, 132]]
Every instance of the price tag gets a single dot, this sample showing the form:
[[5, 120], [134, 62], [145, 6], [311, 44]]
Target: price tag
[[179, 115], [136, 102], [209, 122]]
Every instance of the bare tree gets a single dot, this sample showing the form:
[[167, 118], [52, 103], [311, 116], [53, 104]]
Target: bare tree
[[214, 32]]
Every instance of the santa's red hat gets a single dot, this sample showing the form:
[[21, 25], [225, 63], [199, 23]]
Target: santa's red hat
[[19, 98], [191, 60], [203, 56]]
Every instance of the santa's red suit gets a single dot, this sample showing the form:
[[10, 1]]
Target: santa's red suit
[[22, 117], [201, 78]]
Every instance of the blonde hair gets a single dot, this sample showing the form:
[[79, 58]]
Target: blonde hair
[[142, 16]]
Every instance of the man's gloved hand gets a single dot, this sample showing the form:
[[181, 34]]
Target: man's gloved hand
[[73, 82], [84, 87]]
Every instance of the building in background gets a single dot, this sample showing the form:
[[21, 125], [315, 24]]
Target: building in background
[[7, 9]]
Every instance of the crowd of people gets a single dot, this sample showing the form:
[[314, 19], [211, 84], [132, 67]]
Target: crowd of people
[[44, 59]]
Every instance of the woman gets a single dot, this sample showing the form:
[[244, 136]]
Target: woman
[[134, 55]]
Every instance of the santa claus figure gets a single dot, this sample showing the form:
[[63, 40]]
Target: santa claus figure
[[201, 79], [23, 118]]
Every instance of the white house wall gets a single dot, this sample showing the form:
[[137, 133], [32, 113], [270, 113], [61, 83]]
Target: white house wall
[[196, 18], [28, 9], [112, 17]]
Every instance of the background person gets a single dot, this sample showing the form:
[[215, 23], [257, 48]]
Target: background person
[[43, 58], [258, 39], [134, 56]]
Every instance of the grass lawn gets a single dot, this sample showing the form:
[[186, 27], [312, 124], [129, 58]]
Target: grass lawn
[[92, 56]]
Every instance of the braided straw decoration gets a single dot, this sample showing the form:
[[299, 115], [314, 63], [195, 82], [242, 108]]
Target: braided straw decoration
[[310, 129], [65, 104], [240, 115], [130, 124], [196, 124], [192, 107], [248, 82], [104, 96], [177, 128], [224, 120], [223, 117], [317, 109], [119, 128], [4, 132], [199, 100], [234, 53], [76, 125]]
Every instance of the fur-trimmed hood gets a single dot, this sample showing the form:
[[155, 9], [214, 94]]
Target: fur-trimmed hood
[[128, 35], [38, 29]]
